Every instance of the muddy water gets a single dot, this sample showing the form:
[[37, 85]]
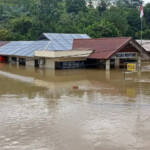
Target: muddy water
[[74, 109]]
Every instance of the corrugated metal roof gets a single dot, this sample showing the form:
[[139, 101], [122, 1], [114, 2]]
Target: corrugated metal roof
[[64, 36], [27, 48], [63, 41], [22, 48], [145, 44], [104, 47]]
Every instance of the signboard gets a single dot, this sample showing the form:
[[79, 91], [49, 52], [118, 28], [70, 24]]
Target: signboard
[[132, 67], [126, 55]]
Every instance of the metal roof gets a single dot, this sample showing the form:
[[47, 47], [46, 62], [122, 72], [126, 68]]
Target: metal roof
[[22, 48], [145, 44], [27, 48], [104, 47], [63, 41], [64, 36]]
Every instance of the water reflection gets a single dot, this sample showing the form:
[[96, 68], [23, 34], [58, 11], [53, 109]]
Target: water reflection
[[41, 109]]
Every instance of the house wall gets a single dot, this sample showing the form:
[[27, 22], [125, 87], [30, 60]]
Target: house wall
[[63, 54], [49, 64], [129, 48]]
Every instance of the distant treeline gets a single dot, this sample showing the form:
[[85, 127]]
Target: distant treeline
[[27, 19]]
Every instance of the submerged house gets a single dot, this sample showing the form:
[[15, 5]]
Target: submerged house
[[51, 51], [115, 52], [62, 51]]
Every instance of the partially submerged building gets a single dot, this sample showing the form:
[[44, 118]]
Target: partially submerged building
[[115, 52], [68, 51], [51, 51]]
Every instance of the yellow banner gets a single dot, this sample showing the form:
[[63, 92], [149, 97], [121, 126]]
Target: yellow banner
[[131, 67]]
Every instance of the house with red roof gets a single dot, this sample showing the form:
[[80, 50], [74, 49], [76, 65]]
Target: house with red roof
[[71, 51], [114, 52]]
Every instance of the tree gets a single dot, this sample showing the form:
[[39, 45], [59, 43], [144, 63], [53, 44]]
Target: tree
[[90, 4], [147, 14], [22, 24], [134, 22], [5, 35], [67, 24], [145, 34], [118, 17], [27, 19], [102, 29], [129, 3], [75, 6], [21, 27], [102, 6]]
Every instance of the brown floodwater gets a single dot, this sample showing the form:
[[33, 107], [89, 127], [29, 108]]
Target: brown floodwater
[[74, 109]]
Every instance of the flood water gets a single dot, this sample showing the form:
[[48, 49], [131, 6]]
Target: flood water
[[74, 109]]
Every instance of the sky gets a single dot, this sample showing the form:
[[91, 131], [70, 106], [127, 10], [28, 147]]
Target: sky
[[146, 1]]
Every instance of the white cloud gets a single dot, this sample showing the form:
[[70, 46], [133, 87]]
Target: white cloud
[[146, 1]]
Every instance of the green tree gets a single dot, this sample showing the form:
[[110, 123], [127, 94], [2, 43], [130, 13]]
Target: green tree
[[21, 27], [145, 34], [147, 14], [90, 4], [5, 35], [75, 6], [129, 3], [27, 19], [102, 6], [134, 22], [118, 17], [102, 29]]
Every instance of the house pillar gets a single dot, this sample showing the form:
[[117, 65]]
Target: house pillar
[[49, 64], [139, 62], [107, 64], [30, 62], [17, 61], [117, 62], [9, 59], [41, 62]]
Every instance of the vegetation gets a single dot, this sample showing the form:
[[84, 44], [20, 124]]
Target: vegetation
[[27, 19]]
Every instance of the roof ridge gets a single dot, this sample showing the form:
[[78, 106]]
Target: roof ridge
[[113, 38], [64, 33]]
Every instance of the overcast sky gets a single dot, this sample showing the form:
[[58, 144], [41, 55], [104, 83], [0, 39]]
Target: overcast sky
[[147, 1]]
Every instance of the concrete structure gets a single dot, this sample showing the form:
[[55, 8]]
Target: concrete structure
[[23, 52], [113, 52], [30, 62], [70, 51], [48, 59], [108, 64]]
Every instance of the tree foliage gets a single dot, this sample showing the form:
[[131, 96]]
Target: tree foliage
[[103, 29], [27, 19]]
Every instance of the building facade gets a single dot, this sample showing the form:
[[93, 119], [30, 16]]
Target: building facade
[[71, 51]]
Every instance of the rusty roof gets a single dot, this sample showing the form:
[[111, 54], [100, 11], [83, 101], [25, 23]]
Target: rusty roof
[[104, 47], [2, 43]]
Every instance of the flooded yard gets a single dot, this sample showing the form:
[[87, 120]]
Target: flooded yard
[[74, 109]]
